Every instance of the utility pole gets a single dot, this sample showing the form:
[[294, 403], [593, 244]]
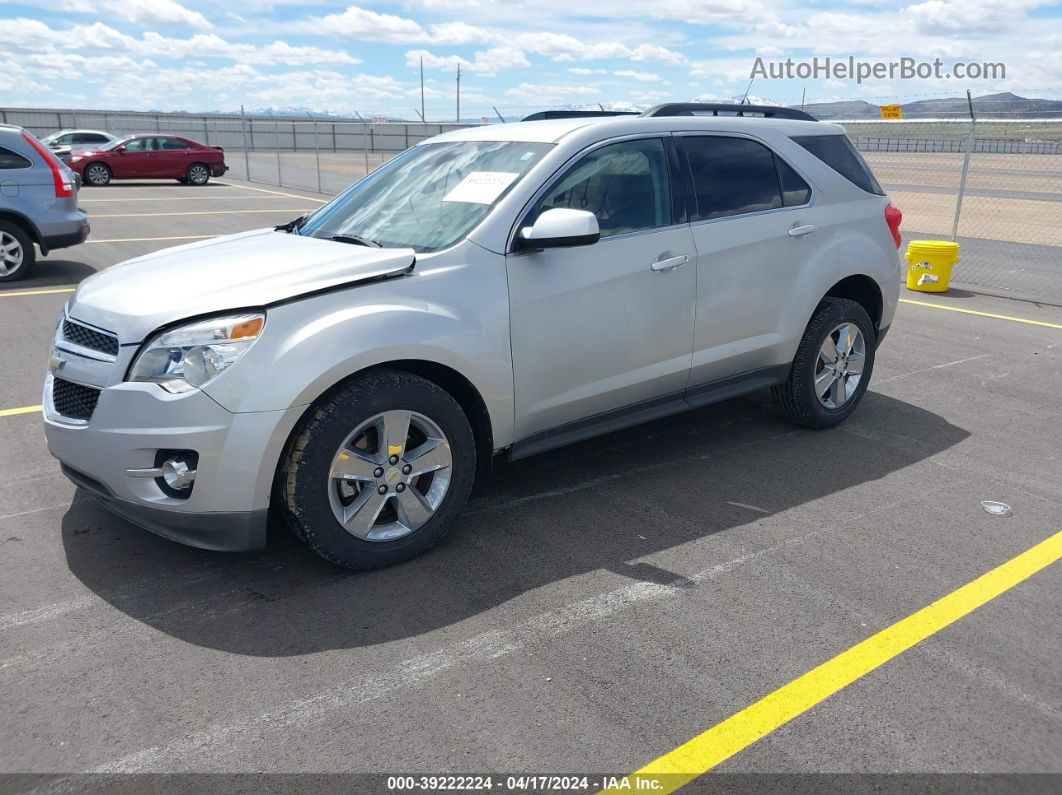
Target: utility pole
[[499, 115], [459, 93], [803, 93], [422, 89]]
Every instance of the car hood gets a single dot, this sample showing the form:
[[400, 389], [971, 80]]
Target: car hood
[[246, 270]]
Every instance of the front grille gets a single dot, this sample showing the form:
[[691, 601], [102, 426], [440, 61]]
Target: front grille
[[90, 338], [73, 400]]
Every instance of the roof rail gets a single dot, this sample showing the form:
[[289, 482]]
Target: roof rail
[[576, 114], [714, 109]]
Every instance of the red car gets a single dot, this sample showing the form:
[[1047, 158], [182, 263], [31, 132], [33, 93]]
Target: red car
[[148, 156]]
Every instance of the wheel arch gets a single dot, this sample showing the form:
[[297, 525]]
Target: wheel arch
[[457, 385], [864, 291], [27, 226]]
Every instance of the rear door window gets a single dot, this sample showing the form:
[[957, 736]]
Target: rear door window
[[837, 152], [731, 176], [173, 144], [9, 160]]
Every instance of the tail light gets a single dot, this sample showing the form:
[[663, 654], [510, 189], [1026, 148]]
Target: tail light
[[61, 176], [893, 217]]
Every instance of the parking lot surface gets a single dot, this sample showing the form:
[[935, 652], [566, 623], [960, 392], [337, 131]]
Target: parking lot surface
[[595, 608]]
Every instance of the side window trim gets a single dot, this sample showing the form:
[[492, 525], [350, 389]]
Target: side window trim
[[562, 170], [812, 195]]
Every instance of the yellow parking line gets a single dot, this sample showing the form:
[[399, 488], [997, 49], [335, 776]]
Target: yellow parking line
[[23, 410], [207, 212], [38, 292], [982, 314], [722, 741], [281, 193]]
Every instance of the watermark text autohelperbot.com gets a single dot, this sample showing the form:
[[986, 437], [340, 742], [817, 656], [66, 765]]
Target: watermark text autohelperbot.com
[[851, 68]]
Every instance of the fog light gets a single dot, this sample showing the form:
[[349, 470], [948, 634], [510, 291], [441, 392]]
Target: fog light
[[174, 472], [177, 474]]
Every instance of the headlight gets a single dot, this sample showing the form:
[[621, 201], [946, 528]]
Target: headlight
[[189, 356], [74, 158]]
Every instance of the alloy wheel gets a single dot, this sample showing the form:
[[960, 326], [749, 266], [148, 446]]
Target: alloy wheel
[[390, 475], [97, 175], [11, 254], [839, 368], [197, 174]]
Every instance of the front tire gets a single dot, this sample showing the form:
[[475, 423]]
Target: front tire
[[17, 254], [832, 367], [97, 174], [378, 472]]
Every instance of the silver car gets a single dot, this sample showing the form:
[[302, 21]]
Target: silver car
[[38, 203], [500, 290], [64, 142]]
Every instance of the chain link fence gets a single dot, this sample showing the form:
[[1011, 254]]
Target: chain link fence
[[1005, 212], [995, 186]]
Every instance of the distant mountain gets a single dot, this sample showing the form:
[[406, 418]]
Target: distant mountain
[[1003, 105]]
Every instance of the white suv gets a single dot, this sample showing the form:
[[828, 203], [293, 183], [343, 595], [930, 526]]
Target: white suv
[[496, 290]]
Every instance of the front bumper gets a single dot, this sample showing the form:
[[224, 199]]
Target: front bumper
[[131, 422]]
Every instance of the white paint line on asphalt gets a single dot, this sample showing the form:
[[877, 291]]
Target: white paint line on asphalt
[[206, 212], [934, 367], [211, 197], [416, 670], [747, 507], [281, 193], [149, 239]]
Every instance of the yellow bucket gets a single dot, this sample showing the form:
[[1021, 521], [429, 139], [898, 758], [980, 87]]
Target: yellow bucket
[[929, 264]]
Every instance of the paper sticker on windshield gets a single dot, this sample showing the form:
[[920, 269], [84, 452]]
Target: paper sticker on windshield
[[480, 187]]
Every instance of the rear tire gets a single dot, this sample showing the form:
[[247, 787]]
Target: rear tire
[[198, 174], [821, 391], [17, 254], [353, 493], [97, 174]]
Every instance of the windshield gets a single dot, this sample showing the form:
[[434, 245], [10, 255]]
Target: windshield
[[427, 198]]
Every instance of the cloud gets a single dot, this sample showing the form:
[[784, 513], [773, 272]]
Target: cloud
[[29, 36], [487, 62], [645, 77], [550, 93], [151, 12], [360, 23]]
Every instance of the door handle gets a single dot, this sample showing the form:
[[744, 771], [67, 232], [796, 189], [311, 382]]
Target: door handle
[[800, 231], [670, 263]]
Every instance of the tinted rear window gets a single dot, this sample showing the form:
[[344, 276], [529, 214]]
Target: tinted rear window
[[9, 159], [731, 176], [837, 152]]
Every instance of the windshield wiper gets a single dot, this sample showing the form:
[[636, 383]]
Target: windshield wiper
[[291, 226], [356, 239]]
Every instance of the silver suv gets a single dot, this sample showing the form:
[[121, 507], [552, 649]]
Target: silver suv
[[38, 203], [506, 290]]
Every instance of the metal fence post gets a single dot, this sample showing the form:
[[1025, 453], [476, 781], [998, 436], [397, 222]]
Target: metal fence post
[[965, 169], [364, 140], [246, 156], [317, 155], [276, 147]]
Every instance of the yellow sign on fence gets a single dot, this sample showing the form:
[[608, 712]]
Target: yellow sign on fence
[[891, 111]]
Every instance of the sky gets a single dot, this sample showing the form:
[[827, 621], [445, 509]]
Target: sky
[[515, 55]]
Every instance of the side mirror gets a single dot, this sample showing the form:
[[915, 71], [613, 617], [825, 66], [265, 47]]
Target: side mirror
[[120, 150], [560, 228]]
